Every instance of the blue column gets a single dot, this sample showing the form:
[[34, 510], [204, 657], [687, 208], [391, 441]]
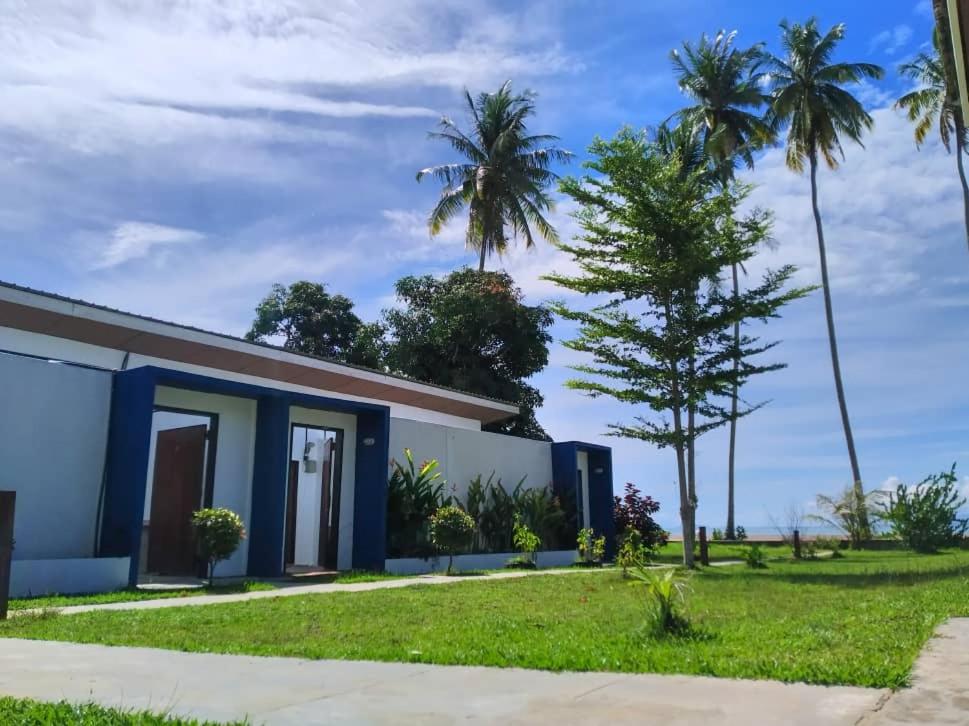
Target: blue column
[[370, 489], [270, 468], [126, 474], [601, 501]]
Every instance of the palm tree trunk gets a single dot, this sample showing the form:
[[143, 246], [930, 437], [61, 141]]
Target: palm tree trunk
[[960, 150], [835, 364], [729, 533], [484, 252]]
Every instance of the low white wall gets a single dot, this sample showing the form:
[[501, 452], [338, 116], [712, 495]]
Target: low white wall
[[53, 433], [463, 563], [233, 457], [464, 454], [68, 577]]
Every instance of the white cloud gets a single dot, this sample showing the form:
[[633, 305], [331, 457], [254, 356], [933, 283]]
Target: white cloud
[[248, 68], [134, 240], [891, 40]]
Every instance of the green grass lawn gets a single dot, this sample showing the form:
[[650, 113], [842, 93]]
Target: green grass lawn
[[721, 552], [131, 595], [24, 712], [859, 620]]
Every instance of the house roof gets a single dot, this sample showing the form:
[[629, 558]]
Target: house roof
[[47, 313]]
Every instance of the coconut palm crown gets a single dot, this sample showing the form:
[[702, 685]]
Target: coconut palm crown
[[505, 175]]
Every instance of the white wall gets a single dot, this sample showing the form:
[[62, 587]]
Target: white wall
[[29, 578], [465, 454], [69, 350], [233, 458], [347, 422], [53, 433]]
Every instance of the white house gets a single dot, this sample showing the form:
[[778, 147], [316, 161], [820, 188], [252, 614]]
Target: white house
[[114, 427]]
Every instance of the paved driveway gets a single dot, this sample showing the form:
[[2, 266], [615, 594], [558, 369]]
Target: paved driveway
[[294, 691]]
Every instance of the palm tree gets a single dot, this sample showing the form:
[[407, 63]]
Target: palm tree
[[928, 106], [808, 95], [727, 86], [504, 178]]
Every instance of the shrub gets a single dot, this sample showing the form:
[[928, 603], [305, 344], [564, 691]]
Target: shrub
[[633, 513], [926, 517], [849, 513], [740, 534], [526, 541], [592, 549], [494, 510], [717, 534], [451, 530], [665, 591], [413, 495], [632, 552], [218, 532], [755, 557], [831, 544]]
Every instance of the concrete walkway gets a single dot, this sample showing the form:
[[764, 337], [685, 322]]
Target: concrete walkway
[[940, 683], [318, 589], [283, 691]]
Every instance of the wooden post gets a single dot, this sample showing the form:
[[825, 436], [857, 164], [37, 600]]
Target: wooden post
[[797, 545], [704, 552], [7, 501]]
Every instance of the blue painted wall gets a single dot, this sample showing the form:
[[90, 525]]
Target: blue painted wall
[[129, 436], [127, 467], [565, 465], [370, 490], [270, 466]]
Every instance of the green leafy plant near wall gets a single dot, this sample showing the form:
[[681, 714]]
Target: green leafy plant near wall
[[526, 542], [926, 517], [495, 509], [591, 549], [413, 495]]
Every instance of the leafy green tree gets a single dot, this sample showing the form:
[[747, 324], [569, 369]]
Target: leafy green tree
[[451, 531], [472, 331], [927, 107], [726, 85], [808, 95], [654, 240], [219, 532], [505, 175], [313, 321]]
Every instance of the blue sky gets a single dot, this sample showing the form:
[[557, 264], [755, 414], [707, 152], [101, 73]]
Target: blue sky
[[177, 159]]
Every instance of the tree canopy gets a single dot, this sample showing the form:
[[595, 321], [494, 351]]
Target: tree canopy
[[311, 320], [472, 331], [653, 245]]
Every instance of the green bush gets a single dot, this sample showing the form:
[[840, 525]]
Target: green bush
[[526, 541], [218, 532], [755, 557], [740, 534], [451, 530], [592, 549], [926, 517], [665, 592], [716, 535], [850, 513], [632, 552], [413, 495], [494, 509]]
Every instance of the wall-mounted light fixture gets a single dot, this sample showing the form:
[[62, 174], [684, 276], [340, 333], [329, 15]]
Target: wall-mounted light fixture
[[598, 470], [369, 441]]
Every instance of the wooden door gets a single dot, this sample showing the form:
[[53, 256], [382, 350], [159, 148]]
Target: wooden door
[[176, 493], [292, 497]]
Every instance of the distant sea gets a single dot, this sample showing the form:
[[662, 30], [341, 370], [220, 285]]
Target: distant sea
[[811, 529]]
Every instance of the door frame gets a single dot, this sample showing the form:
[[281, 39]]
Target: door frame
[[339, 438]]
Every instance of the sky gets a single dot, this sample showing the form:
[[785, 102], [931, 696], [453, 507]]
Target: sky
[[176, 159]]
